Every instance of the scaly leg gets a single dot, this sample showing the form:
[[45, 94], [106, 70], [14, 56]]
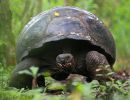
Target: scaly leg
[[96, 64]]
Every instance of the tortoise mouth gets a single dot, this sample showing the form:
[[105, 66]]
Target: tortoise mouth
[[67, 68], [66, 65]]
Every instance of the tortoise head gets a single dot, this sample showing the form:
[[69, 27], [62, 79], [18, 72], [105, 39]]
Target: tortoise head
[[65, 61]]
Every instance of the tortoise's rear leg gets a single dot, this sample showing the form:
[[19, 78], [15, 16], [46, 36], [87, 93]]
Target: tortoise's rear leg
[[23, 80], [96, 64]]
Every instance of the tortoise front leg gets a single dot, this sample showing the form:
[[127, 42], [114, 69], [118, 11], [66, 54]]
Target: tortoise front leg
[[96, 64], [23, 80]]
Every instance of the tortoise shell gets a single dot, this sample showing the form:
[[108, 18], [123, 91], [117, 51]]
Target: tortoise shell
[[62, 23]]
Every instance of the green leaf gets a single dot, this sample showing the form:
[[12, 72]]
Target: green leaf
[[46, 73], [34, 71], [56, 86], [27, 72]]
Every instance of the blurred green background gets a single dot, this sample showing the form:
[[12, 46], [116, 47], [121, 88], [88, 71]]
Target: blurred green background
[[14, 14]]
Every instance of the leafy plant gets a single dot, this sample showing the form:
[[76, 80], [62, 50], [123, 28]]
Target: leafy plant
[[33, 71]]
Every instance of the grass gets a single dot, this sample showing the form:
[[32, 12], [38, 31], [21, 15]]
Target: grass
[[73, 89]]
